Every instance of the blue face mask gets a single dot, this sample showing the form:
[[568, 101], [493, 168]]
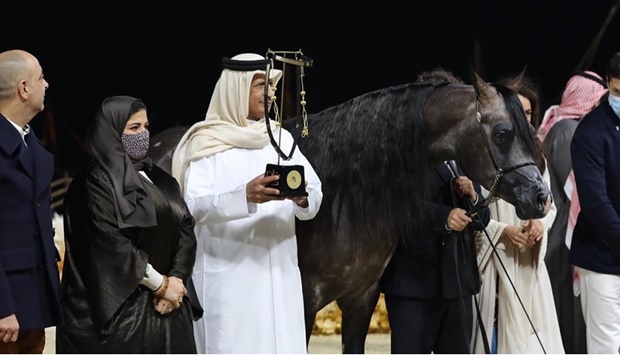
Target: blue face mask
[[614, 102]]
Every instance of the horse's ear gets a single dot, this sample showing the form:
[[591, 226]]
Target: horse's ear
[[482, 88], [516, 82]]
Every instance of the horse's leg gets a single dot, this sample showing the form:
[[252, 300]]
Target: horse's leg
[[313, 300], [310, 317], [357, 311]]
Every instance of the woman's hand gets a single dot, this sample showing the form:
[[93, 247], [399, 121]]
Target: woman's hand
[[534, 229], [163, 306], [517, 237], [175, 292]]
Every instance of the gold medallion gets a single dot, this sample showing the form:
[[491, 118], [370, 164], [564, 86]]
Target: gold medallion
[[293, 179]]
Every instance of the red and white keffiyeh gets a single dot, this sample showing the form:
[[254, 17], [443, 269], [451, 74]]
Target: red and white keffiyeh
[[580, 96]]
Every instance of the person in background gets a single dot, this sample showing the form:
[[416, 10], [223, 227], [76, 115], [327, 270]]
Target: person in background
[[29, 279], [595, 247], [582, 93], [130, 245], [246, 272], [529, 95], [428, 289], [511, 254]]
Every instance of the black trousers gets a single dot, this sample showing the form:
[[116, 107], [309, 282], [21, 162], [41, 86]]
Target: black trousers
[[422, 326]]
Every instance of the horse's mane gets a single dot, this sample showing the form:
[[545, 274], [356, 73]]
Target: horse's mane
[[517, 116], [371, 157]]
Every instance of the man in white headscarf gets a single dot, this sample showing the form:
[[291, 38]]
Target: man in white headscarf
[[246, 271]]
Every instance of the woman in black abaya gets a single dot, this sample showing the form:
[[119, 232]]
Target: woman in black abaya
[[130, 246]]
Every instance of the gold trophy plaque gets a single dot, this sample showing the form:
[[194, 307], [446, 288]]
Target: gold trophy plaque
[[291, 182]]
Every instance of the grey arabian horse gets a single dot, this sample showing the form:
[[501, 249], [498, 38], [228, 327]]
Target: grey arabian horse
[[371, 154]]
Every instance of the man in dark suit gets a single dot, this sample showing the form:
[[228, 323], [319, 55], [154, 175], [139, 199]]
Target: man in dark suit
[[428, 288], [595, 247], [29, 277]]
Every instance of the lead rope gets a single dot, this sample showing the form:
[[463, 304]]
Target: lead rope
[[480, 322], [454, 170]]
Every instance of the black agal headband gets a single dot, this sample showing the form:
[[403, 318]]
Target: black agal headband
[[592, 77], [244, 65]]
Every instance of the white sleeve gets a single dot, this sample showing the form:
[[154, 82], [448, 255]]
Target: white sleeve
[[314, 188], [211, 207], [152, 279]]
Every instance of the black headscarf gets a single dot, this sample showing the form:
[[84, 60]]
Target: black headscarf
[[103, 142]]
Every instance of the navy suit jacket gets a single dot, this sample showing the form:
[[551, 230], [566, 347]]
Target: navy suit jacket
[[443, 265], [595, 153], [29, 277]]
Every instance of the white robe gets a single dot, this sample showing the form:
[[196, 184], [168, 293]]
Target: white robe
[[246, 271], [529, 275]]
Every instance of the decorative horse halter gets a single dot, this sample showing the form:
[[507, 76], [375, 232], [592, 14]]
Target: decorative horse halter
[[499, 172], [298, 59]]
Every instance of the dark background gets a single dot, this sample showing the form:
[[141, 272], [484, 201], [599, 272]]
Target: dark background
[[168, 53]]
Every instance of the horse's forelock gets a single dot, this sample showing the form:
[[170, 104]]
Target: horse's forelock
[[517, 117]]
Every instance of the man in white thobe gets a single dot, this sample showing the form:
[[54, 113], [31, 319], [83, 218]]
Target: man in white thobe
[[246, 271]]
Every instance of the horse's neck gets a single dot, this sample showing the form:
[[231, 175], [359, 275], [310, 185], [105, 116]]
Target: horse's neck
[[448, 115]]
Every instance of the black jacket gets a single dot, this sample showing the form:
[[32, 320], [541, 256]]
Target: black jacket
[[443, 265]]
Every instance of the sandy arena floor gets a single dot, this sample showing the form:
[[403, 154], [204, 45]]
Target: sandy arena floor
[[319, 344]]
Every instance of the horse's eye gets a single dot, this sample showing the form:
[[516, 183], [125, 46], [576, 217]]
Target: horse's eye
[[503, 135], [500, 137]]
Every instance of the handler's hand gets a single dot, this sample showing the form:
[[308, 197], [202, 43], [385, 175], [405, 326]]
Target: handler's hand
[[464, 187], [256, 190], [458, 219]]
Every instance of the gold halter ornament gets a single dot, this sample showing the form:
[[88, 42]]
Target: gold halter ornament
[[291, 182], [301, 61]]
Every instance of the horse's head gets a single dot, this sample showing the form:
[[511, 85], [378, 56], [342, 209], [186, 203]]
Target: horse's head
[[483, 127]]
